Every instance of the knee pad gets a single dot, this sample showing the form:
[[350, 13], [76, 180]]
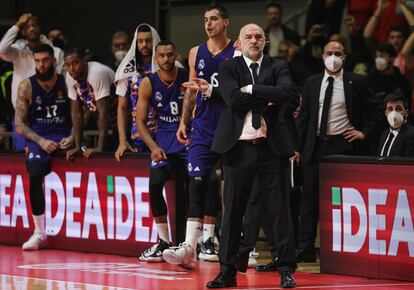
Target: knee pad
[[158, 178], [197, 189]]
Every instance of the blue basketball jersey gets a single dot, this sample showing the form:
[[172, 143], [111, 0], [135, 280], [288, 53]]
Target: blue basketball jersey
[[167, 100], [49, 111], [207, 113], [132, 95]]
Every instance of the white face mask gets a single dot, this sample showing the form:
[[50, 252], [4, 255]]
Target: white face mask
[[381, 63], [333, 63], [395, 119], [120, 54]]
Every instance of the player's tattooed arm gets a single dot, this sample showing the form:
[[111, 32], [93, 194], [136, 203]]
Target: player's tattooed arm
[[24, 94], [103, 121]]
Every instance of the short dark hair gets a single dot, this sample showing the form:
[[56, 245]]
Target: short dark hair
[[75, 50], [165, 43], [275, 5], [144, 28], [44, 48], [387, 48], [400, 29], [223, 12], [394, 97]]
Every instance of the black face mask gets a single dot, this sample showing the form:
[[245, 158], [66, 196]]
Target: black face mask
[[46, 75]]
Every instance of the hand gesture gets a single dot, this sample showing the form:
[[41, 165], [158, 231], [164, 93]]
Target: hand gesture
[[70, 154], [66, 142], [48, 145], [296, 158], [23, 20], [124, 146], [158, 154], [382, 5], [197, 84], [182, 134], [352, 135]]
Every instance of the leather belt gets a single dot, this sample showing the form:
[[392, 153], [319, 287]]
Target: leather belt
[[330, 137], [257, 140]]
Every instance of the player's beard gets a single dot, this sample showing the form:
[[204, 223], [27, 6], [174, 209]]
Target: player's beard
[[47, 75]]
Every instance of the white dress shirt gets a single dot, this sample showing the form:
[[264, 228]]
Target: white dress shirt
[[248, 132], [338, 120]]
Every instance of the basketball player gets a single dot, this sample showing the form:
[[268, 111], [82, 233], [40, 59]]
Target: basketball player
[[42, 117], [90, 84], [163, 91], [204, 61]]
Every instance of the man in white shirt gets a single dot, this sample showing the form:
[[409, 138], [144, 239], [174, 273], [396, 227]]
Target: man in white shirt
[[19, 52], [89, 84], [338, 112], [254, 139]]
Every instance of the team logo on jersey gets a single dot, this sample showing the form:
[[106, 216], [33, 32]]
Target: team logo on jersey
[[201, 64], [190, 167], [38, 100], [158, 96], [31, 155]]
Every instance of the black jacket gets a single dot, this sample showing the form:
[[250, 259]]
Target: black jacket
[[403, 144], [363, 107], [275, 86]]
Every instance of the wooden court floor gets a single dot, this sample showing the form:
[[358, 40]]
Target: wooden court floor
[[52, 269]]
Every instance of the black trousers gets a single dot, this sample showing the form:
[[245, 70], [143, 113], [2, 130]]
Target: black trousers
[[244, 161], [257, 216], [309, 207]]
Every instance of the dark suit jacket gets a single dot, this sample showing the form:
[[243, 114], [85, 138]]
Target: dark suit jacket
[[274, 85], [403, 144], [363, 107]]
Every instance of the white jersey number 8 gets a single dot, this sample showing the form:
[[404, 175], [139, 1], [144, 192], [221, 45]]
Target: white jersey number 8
[[174, 108]]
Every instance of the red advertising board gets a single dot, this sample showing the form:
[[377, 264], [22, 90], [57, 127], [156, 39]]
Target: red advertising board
[[366, 220], [95, 205]]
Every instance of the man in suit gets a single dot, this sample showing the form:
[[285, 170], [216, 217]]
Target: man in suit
[[337, 114], [398, 139], [253, 137], [276, 32]]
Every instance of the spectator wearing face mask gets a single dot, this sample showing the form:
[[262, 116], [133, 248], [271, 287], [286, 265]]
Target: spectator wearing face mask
[[384, 79], [119, 47], [337, 114], [398, 138]]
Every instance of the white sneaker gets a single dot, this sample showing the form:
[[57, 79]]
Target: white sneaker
[[252, 258], [36, 242], [183, 256]]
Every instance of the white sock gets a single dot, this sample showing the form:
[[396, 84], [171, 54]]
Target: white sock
[[208, 231], [163, 232], [192, 233], [39, 222]]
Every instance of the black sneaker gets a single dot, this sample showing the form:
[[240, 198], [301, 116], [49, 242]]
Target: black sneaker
[[208, 251], [154, 253]]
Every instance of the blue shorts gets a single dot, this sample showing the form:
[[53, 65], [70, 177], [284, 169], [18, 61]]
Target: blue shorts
[[35, 153], [200, 160], [139, 145], [167, 141]]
